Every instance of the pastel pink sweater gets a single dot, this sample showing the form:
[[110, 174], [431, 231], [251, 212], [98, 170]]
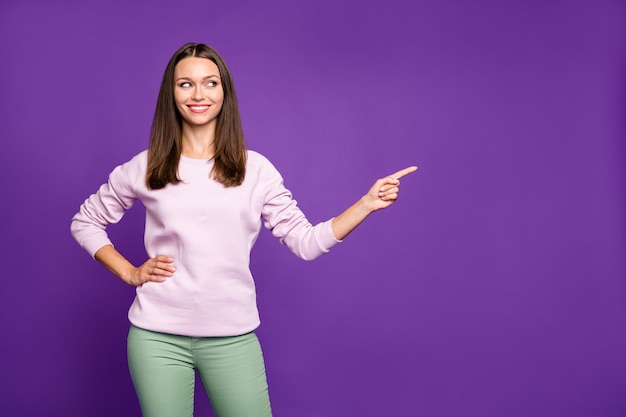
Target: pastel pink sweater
[[209, 230]]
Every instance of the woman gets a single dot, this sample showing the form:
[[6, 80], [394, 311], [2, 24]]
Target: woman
[[205, 196]]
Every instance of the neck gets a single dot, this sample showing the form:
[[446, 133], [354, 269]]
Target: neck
[[198, 141]]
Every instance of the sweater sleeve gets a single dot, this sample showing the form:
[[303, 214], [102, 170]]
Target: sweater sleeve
[[287, 222], [106, 206]]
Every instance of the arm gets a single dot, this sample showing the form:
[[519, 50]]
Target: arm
[[383, 193], [156, 269], [107, 206]]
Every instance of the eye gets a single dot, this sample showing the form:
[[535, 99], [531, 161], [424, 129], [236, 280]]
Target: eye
[[212, 83], [185, 84]]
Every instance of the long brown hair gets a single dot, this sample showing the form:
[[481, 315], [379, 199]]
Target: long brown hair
[[166, 135]]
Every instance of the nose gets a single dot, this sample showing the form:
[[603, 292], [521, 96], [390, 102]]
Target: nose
[[198, 93]]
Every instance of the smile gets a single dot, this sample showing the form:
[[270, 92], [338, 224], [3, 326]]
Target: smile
[[198, 108]]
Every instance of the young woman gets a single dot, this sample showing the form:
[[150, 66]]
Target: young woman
[[206, 196]]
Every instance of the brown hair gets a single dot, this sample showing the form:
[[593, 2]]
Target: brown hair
[[166, 134]]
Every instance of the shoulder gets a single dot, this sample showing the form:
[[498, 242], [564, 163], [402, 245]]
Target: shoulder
[[134, 167], [260, 166], [256, 159], [138, 161]]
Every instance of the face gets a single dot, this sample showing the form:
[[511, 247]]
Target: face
[[198, 91]]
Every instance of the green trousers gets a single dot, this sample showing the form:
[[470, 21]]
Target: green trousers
[[232, 370]]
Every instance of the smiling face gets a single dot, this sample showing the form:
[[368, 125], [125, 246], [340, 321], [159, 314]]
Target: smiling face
[[198, 91]]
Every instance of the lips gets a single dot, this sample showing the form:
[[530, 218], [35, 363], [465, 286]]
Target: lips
[[198, 108]]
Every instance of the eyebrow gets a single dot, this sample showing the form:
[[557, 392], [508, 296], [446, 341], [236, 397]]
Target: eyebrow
[[204, 78]]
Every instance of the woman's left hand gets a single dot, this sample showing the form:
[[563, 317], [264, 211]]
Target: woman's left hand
[[385, 191]]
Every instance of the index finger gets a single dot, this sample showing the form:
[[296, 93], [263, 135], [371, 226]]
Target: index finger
[[164, 258], [403, 172]]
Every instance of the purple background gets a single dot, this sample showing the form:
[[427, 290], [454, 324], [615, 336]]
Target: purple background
[[494, 287]]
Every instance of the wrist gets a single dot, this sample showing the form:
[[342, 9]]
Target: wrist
[[366, 205], [126, 274]]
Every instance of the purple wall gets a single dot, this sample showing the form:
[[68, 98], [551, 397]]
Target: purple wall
[[494, 287]]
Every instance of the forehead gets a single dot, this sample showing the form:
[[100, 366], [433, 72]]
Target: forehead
[[194, 67]]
